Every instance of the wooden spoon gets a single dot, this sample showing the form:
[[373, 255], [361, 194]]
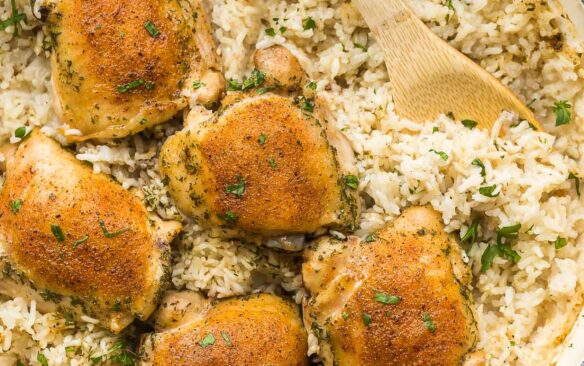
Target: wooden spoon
[[428, 76]]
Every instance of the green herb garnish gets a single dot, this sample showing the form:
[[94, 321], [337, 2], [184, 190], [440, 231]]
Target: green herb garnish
[[15, 19], [370, 238], [387, 299], [42, 359], [308, 23], [209, 340], [428, 322], [508, 232], [560, 243], [345, 315], [80, 241], [108, 234], [272, 163], [234, 85], [270, 32], [226, 339], [311, 85], [229, 217], [442, 154], [20, 132], [262, 139], [469, 123], [16, 205], [563, 113], [151, 28], [197, 84], [57, 232], [237, 189], [488, 191], [130, 86], [478, 163], [351, 181], [576, 182], [472, 233], [366, 319]]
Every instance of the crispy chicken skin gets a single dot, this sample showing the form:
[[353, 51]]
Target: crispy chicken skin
[[78, 242], [119, 67], [353, 307], [265, 163], [253, 330]]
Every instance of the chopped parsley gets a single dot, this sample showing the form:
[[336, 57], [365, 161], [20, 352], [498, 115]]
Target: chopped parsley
[[57, 232], [428, 322], [197, 84], [16, 205], [351, 181], [498, 249], [361, 47], [270, 32], [370, 238], [151, 28], [80, 241], [42, 359], [237, 189], [117, 353], [130, 86], [267, 89], [108, 234], [283, 30], [305, 104], [387, 299], [469, 123], [229, 217], [563, 113], [226, 339], [560, 243], [149, 85], [508, 232], [366, 319], [479, 163], [435, 129], [442, 154], [20, 132], [576, 182], [345, 315], [262, 139], [472, 233], [14, 19], [234, 85], [272, 163], [487, 191], [311, 85], [117, 306], [209, 340], [308, 23]]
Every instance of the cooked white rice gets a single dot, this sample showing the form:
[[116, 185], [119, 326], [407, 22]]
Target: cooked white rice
[[525, 310]]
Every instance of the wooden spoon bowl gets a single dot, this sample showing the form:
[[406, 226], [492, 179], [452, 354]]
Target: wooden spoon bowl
[[429, 77]]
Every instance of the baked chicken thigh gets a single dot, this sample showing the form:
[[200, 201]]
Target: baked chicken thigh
[[268, 162], [121, 66], [402, 298], [76, 241], [254, 330]]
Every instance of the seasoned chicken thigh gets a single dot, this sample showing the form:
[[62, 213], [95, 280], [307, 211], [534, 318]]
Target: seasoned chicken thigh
[[401, 298], [122, 66], [76, 241], [268, 162], [254, 330]]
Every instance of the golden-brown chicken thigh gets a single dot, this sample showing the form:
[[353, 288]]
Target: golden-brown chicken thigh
[[400, 298], [76, 241], [268, 162], [119, 67], [254, 330]]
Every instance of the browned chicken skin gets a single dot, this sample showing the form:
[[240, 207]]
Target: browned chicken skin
[[119, 67], [265, 163], [254, 330], [401, 299], [77, 241]]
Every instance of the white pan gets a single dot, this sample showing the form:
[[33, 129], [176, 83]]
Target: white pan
[[573, 348]]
